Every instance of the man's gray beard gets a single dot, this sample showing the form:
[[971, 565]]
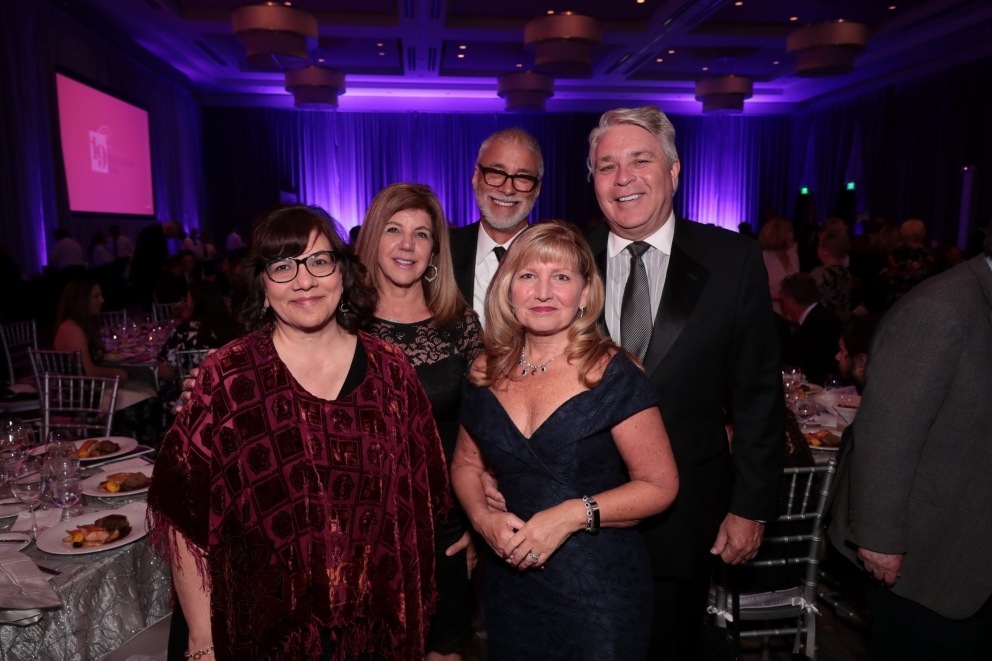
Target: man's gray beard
[[511, 222]]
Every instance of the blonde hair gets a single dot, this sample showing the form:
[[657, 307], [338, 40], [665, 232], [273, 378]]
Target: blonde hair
[[548, 242], [443, 298]]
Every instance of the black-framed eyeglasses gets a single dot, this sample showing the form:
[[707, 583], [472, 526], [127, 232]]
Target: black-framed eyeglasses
[[522, 183], [319, 264]]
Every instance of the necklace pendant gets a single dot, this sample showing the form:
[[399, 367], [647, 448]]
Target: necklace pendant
[[523, 372], [544, 368], [533, 372]]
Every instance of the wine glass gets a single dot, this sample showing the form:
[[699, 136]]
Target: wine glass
[[28, 485], [792, 377], [806, 409], [66, 493]]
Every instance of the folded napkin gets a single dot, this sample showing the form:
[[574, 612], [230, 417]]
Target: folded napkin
[[46, 519], [23, 586], [126, 464]]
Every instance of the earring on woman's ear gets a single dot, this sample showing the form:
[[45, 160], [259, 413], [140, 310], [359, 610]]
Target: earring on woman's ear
[[343, 307], [431, 266], [265, 308], [582, 311]]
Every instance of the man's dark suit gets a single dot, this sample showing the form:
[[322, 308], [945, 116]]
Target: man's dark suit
[[714, 344], [463, 241], [813, 346]]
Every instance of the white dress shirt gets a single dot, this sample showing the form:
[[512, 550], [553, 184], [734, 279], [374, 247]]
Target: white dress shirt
[[485, 267], [618, 270]]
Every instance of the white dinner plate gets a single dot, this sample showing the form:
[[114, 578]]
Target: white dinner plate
[[91, 485], [50, 541], [126, 445], [20, 541]]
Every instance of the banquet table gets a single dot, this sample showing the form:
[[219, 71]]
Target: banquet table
[[107, 597]]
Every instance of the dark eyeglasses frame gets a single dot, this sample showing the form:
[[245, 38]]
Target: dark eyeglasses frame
[[302, 261], [503, 176]]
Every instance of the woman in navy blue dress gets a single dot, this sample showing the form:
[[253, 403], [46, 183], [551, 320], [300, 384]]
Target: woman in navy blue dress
[[570, 428]]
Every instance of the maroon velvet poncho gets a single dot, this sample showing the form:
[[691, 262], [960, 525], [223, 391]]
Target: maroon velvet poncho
[[312, 513]]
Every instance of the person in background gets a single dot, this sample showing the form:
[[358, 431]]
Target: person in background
[[710, 342], [205, 324], [811, 343], [404, 245], [506, 180], [852, 350], [66, 253], [833, 279], [778, 250], [912, 494], [297, 491], [910, 263], [120, 245], [150, 254], [77, 328], [570, 426], [99, 254]]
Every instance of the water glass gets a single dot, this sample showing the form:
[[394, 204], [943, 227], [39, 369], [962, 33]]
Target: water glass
[[66, 493], [792, 377], [806, 409], [832, 381], [28, 486]]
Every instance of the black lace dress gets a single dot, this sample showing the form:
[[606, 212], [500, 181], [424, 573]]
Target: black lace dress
[[593, 599], [440, 357]]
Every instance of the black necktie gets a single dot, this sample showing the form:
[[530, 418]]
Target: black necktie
[[500, 251], [635, 308]]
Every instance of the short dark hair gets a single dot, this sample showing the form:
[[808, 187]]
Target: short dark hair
[[801, 287], [858, 331], [285, 232]]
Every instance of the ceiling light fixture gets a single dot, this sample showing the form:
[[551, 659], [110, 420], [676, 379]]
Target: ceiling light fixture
[[525, 90], [315, 88], [563, 43], [276, 38], [826, 49], [724, 93]]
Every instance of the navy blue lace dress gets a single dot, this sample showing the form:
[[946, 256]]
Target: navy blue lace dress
[[593, 600]]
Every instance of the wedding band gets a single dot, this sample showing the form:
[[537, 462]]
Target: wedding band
[[533, 558]]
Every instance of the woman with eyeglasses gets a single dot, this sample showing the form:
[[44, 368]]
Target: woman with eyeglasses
[[297, 491], [404, 245]]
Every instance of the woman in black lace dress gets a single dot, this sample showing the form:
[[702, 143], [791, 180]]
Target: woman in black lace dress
[[404, 245]]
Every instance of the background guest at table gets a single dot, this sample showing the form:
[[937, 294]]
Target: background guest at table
[[205, 323], [909, 263], [66, 253], [778, 249], [297, 490], [78, 328], [833, 278], [404, 245], [571, 428], [811, 342], [852, 354]]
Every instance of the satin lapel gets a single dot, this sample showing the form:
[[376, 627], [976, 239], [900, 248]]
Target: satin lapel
[[683, 287], [463, 259], [597, 240]]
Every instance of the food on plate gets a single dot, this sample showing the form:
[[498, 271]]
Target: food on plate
[[125, 482], [104, 530], [822, 438], [96, 448]]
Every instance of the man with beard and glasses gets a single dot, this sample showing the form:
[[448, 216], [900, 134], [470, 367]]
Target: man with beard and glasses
[[506, 181]]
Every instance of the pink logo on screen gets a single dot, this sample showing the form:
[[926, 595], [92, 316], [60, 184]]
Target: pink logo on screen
[[99, 152]]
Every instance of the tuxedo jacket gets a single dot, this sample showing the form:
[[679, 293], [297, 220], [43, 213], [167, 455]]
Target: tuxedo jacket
[[813, 345], [916, 477], [714, 348], [463, 241]]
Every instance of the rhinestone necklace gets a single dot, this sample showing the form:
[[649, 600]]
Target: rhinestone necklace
[[527, 365]]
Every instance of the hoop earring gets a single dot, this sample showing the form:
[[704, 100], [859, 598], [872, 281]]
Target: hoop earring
[[433, 277], [343, 307]]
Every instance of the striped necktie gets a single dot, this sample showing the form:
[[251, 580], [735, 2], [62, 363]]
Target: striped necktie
[[635, 307]]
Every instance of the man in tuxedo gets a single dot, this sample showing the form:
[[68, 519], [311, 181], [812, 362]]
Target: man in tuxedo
[[913, 494], [692, 302], [811, 341], [506, 181]]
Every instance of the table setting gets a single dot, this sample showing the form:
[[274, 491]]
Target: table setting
[[77, 576], [823, 412]]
